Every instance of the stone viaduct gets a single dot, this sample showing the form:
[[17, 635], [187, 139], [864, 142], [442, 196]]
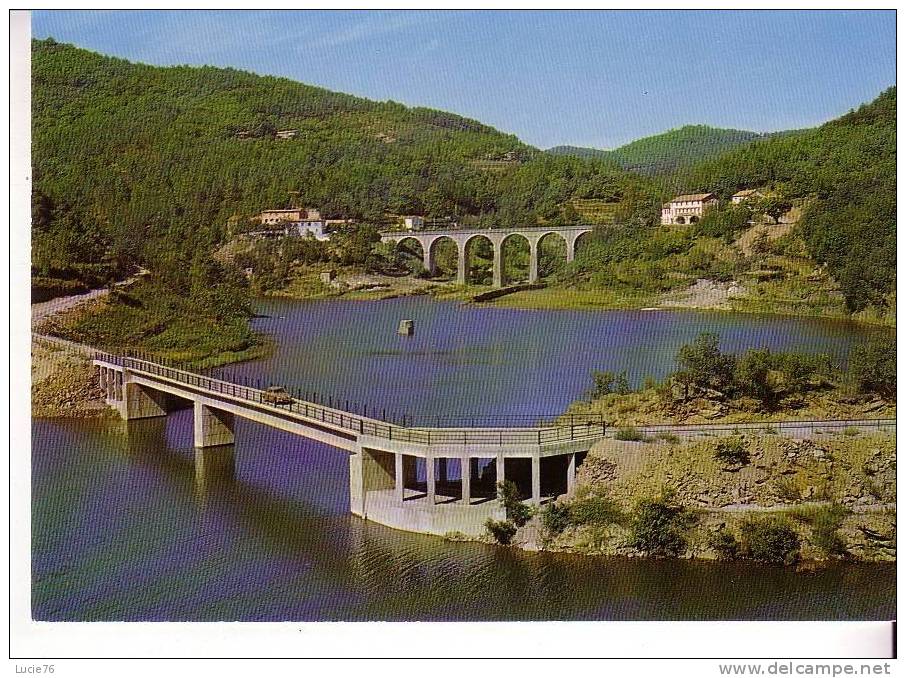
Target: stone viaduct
[[463, 238]]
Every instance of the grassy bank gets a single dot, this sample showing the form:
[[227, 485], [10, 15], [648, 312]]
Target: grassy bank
[[151, 317]]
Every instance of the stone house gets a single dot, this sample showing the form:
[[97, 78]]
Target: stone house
[[687, 209], [748, 195]]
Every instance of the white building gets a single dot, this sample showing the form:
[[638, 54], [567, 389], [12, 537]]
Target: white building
[[687, 209], [414, 223], [747, 195], [316, 228], [281, 216]]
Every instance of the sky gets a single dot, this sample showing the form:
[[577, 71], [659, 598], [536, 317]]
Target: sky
[[585, 78]]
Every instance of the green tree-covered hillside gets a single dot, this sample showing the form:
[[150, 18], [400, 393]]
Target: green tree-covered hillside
[[845, 172], [147, 164], [666, 152]]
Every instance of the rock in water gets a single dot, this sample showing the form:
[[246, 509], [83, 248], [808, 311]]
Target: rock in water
[[406, 328]]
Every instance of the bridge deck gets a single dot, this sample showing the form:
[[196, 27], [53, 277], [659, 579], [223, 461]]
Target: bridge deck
[[554, 435]]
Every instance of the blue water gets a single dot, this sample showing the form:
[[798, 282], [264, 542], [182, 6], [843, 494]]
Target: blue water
[[124, 529], [481, 360]]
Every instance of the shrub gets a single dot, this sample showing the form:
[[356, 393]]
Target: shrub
[[621, 384], [725, 544], [516, 511], [787, 489], [704, 363], [649, 382], [603, 384], [851, 431], [769, 540], [595, 510], [555, 517], [668, 437], [629, 433], [503, 531], [606, 383], [658, 527], [732, 451], [873, 366], [825, 522]]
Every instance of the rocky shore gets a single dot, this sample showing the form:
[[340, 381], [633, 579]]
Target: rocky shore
[[836, 494], [64, 384]]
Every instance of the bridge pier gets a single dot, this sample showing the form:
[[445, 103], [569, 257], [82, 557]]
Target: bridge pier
[[431, 481], [140, 402], [214, 463], [428, 259], [213, 427], [465, 473], [498, 264], [533, 260], [462, 266], [536, 480], [571, 475]]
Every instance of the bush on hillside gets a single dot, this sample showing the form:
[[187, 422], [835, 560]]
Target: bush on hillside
[[658, 527], [769, 540], [502, 531], [733, 451]]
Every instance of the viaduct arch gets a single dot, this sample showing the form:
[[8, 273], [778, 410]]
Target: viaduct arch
[[497, 236]]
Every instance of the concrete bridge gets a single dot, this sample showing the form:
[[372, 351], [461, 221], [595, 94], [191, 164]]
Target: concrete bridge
[[463, 238], [423, 479], [418, 478]]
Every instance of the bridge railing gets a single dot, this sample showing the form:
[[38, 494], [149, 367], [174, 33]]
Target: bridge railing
[[813, 426], [563, 429]]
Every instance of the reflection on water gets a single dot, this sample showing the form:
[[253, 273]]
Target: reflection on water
[[126, 525], [469, 360], [123, 529]]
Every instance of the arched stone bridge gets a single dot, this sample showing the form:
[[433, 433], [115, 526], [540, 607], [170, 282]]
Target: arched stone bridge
[[463, 238]]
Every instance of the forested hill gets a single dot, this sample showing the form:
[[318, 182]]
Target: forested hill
[[137, 162], [845, 173], [664, 153]]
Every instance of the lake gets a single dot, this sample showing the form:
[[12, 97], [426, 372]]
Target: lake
[[123, 530]]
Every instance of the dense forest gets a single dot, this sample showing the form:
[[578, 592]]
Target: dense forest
[[665, 153], [143, 165], [845, 171], [170, 154]]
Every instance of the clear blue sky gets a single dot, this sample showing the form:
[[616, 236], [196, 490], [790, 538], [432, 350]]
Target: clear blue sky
[[591, 78]]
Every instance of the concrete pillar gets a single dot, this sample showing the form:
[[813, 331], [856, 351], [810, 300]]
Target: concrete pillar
[[142, 402], [571, 475], [536, 480], [498, 263], [109, 388], [462, 264], [428, 258], [570, 249], [357, 483], [118, 384], [466, 473], [212, 426], [432, 486], [214, 463], [501, 473], [400, 479], [533, 261], [102, 379]]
